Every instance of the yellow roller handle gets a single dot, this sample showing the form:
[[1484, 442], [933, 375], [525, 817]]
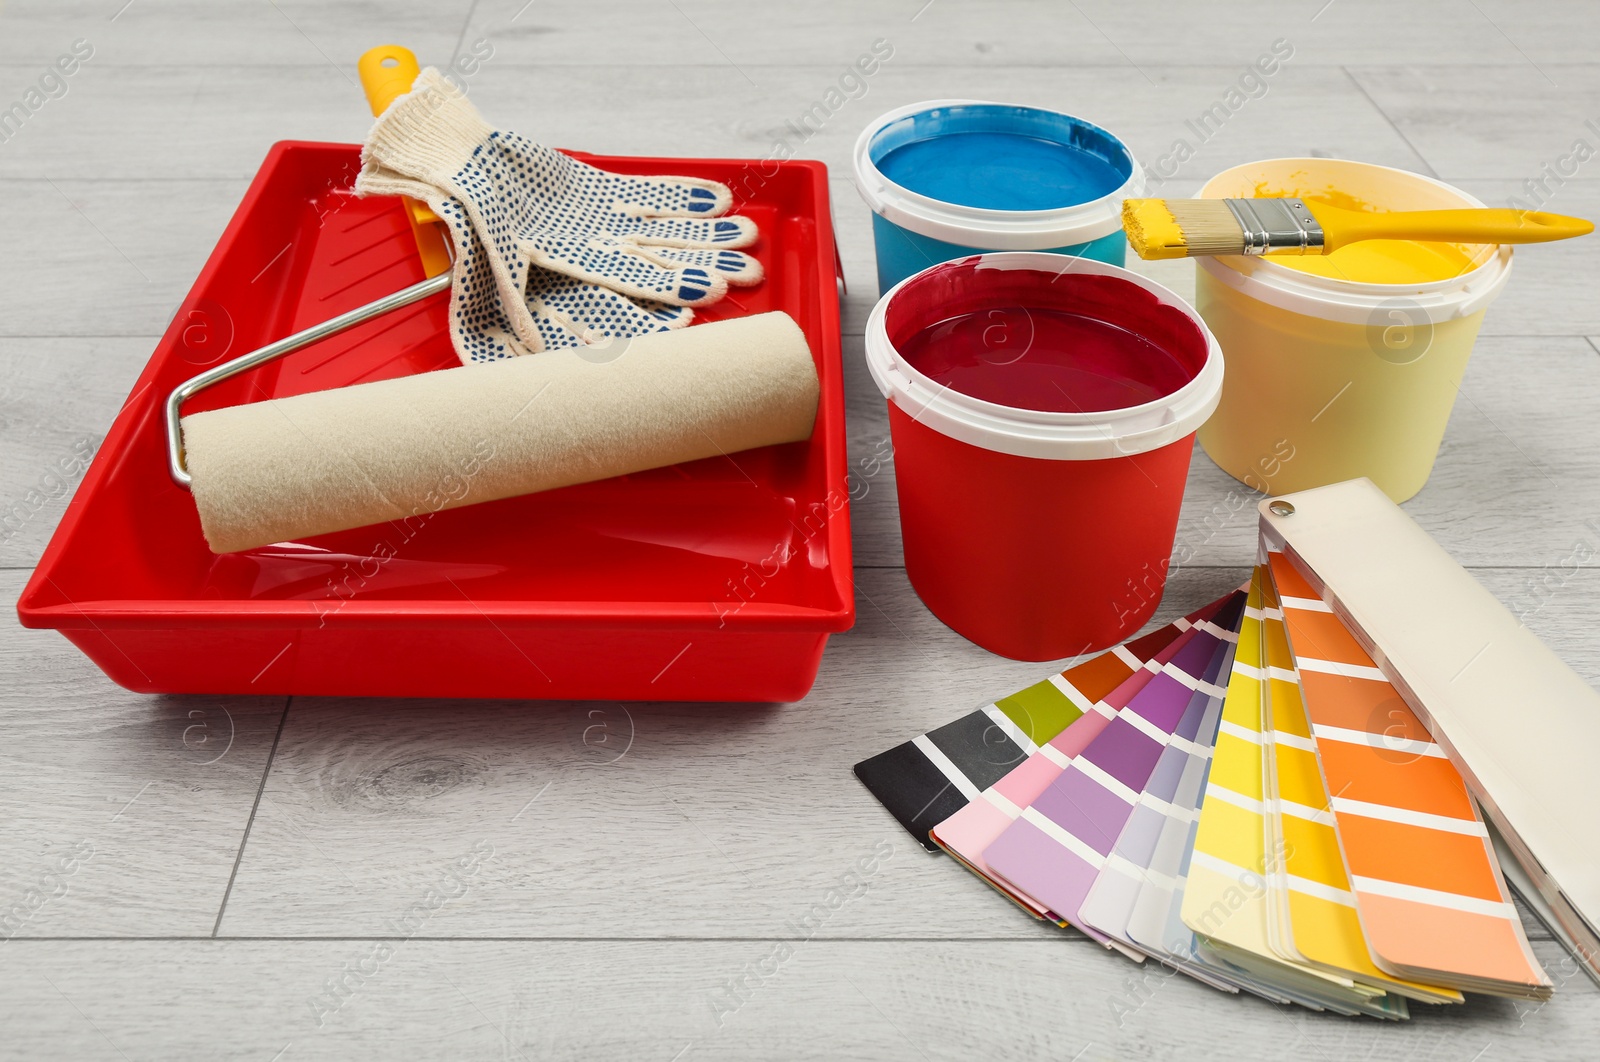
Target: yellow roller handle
[[1487, 225], [388, 71]]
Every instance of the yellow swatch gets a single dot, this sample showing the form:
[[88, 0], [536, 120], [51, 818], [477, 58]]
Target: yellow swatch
[[1225, 896], [1317, 912]]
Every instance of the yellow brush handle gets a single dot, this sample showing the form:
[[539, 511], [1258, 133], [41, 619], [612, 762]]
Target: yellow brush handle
[[387, 72], [1487, 225]]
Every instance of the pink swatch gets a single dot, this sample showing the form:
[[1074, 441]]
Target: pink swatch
[[969, 831]]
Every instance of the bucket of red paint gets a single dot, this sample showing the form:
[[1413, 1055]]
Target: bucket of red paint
[[1042, 411]]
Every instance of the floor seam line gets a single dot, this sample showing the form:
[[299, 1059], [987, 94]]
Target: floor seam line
[[238, 857], [461, 38], [1385, 116]]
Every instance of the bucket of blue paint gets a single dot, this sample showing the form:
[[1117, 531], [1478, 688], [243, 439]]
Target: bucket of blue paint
[[951, 178]]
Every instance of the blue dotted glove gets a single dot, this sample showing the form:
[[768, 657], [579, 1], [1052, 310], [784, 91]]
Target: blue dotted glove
[[551, 311], [574, 253]]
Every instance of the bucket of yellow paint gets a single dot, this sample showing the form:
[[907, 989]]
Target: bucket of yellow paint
[[1347, 364]]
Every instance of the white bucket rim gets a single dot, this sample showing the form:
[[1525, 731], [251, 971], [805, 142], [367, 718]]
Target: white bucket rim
[[1044, 434], [1001, 230], [1356, 302]]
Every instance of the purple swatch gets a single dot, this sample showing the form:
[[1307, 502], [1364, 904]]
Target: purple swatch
[[1056, 849], [1110, 903]]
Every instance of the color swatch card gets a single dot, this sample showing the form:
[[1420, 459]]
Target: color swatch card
[[1057, 847], [1519, 724], [1422, 870], [1263, 796], [1155, 924], [1109, 905], [970, 831], [1527, 890], [1314, 917], [1225, 898], [925, 780]]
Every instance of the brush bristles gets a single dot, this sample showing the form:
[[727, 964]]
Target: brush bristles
[[1181, 228], [1208, 227]]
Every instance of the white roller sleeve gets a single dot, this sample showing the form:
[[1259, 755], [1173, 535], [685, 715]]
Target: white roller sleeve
[[314, 463]]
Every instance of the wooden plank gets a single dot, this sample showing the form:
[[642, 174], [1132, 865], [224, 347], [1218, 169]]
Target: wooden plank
[[671, 812], [1483, 33], [1149, 114], [145, 798], [1471, 126], [675, 999], [1493, 33], [1549, 291], [122, 254], [57, 398], [124, 113], [183, 122], [194, 33]]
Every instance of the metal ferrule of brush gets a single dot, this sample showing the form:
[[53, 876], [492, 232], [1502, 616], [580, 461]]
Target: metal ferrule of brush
[[1276, 225]]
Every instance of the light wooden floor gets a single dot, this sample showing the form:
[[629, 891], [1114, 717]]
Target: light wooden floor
[[249, 853]]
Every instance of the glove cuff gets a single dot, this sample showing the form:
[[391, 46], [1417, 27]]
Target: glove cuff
[[375, 179], [429, 133]]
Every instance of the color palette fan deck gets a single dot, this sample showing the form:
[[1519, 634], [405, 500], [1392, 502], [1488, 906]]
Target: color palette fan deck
[[1243, 795]]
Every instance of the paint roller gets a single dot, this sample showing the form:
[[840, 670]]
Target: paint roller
[[289, 468], [327, 461]]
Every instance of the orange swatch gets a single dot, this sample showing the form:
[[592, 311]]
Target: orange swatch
[[1427, 884]]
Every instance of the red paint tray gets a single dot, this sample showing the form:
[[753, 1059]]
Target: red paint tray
[[715, 580]]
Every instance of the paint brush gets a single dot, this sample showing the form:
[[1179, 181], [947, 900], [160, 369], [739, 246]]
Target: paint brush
[[1191, 228]]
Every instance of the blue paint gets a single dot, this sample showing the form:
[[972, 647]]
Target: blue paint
[[974, 159], [997, 157], [1001, 171]]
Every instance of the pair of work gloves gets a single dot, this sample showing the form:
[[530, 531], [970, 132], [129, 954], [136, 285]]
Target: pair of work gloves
[[551, 252]]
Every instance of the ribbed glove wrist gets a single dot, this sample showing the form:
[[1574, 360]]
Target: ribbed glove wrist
[[429, 133]]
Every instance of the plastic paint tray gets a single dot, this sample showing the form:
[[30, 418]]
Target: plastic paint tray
[[714, 580]]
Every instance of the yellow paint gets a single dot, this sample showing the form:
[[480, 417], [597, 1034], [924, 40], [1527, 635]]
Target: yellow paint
[[1374, 261], [1313, 396], [1152, 230]]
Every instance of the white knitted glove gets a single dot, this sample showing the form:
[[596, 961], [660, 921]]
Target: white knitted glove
[[553, 310], [573, 252]]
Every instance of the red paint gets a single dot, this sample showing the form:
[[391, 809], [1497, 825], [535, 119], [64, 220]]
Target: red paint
[[1035, 558], [1060, 342]]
